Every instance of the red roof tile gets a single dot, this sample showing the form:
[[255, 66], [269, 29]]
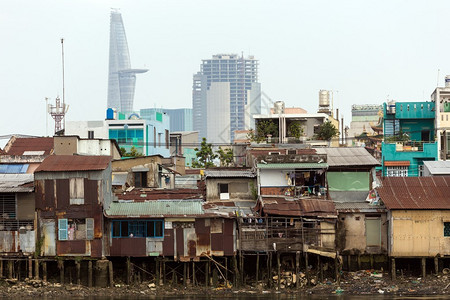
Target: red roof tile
[[74, 163], [415, 192], [20, 145]]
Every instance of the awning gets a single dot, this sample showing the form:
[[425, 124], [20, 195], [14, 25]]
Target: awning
[[397, 163]]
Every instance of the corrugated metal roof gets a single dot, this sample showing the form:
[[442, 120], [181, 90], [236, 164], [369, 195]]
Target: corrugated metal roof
[[357, 206], [21, 145], [439, 167], [415, 192], [348, 156], [13, 183], [157, 208], [229, 173], [294, 166], [281, 206], [13, 168], [54, 163]]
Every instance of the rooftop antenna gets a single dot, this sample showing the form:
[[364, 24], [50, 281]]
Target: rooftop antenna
[[59, 110], [437, 81]]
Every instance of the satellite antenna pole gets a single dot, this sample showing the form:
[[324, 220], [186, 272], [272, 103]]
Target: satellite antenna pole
[[437, 81], [63, 89]]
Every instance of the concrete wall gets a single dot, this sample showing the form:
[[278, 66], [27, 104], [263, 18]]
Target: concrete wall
[[238, 188], [419, 233], [352, 234]]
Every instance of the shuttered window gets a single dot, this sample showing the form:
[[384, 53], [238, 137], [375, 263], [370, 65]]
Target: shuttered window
[[76, 191], [62, 229], [89, 228]]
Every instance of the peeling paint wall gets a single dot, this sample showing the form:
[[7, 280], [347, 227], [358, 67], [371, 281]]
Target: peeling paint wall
[[238, 188], [419, 233]]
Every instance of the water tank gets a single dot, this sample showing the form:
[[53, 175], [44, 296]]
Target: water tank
[[109, 114], [391, 107], [447, 81], [324, 98], [278, 107]]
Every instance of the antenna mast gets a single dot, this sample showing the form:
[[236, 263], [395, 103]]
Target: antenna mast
[[63, 86]]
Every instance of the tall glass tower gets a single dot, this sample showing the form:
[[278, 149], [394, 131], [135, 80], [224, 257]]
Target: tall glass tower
[[122, 78]]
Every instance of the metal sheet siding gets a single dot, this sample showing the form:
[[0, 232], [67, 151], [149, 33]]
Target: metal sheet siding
[[49, 235], [155, 208], [27, 243], [62, 193], [129, 247], [8, 241], [179, 242], [168, 243], [96, 248], [49, 194], [75, 247]]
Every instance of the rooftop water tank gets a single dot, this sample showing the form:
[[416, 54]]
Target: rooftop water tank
[[278, 107], [324, 98]]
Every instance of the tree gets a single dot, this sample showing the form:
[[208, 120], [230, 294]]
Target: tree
[[327, 131], [264, 128], [133, 152], [226, 157], [205, 156], [295, 129]]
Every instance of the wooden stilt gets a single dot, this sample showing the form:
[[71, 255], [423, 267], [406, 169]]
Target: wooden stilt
[[236, 272], [30, 268], [158, 275], [226, 272], [270, 269], [164, 271], [110, 273], [242, 269], [61, 271], [424, 267], [359, 262], [436, 265], [337, 269], [19, 268], [257, 267], [307, 268], [10, 269], [193, 274], [215, 277], [371, 261], [1, 267], [349, 263], [44, 270], [278, 271], [320, 270], [78, 268], [393, 269], [297, 269], [128, 270], [90, 273], [207, 273], [184, 274]]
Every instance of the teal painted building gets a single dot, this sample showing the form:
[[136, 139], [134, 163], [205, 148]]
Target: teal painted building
[[409, 138], [148, 132]]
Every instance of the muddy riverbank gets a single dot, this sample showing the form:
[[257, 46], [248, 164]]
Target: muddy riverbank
[[351, 283]]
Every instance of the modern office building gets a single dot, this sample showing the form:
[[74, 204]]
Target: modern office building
[[225, 95], [122, 78], [363, 118], [180, 119]]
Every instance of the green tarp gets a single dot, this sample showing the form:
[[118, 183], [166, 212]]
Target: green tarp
[[348, 181]]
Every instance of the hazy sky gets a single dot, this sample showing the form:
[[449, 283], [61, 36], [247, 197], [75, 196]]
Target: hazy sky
[[368, 51]]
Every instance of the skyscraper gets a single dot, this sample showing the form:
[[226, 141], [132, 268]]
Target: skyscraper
[[122, 78], [225, 95]]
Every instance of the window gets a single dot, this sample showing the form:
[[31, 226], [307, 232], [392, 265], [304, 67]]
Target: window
[[76, 191], [145, 228], [223, 191], [75, 229], [446, 228], [399, 171], [154, 137], [90, 134], [167, 139], [7, 206], [140, 179]]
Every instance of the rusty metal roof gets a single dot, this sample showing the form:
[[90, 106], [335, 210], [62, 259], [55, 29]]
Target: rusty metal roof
[[288, 166], [158, 208], [348, 156], [229, 173], [415, 192], [358, 207], [16, 183], [61, 163], [282, 206], [21, 145]]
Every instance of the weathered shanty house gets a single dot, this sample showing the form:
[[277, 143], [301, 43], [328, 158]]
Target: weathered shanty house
[[71, 193], [361, 226], [178, 229], [418, 217], [147, 171], [223, 184], [17, 164], [74, 145]]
